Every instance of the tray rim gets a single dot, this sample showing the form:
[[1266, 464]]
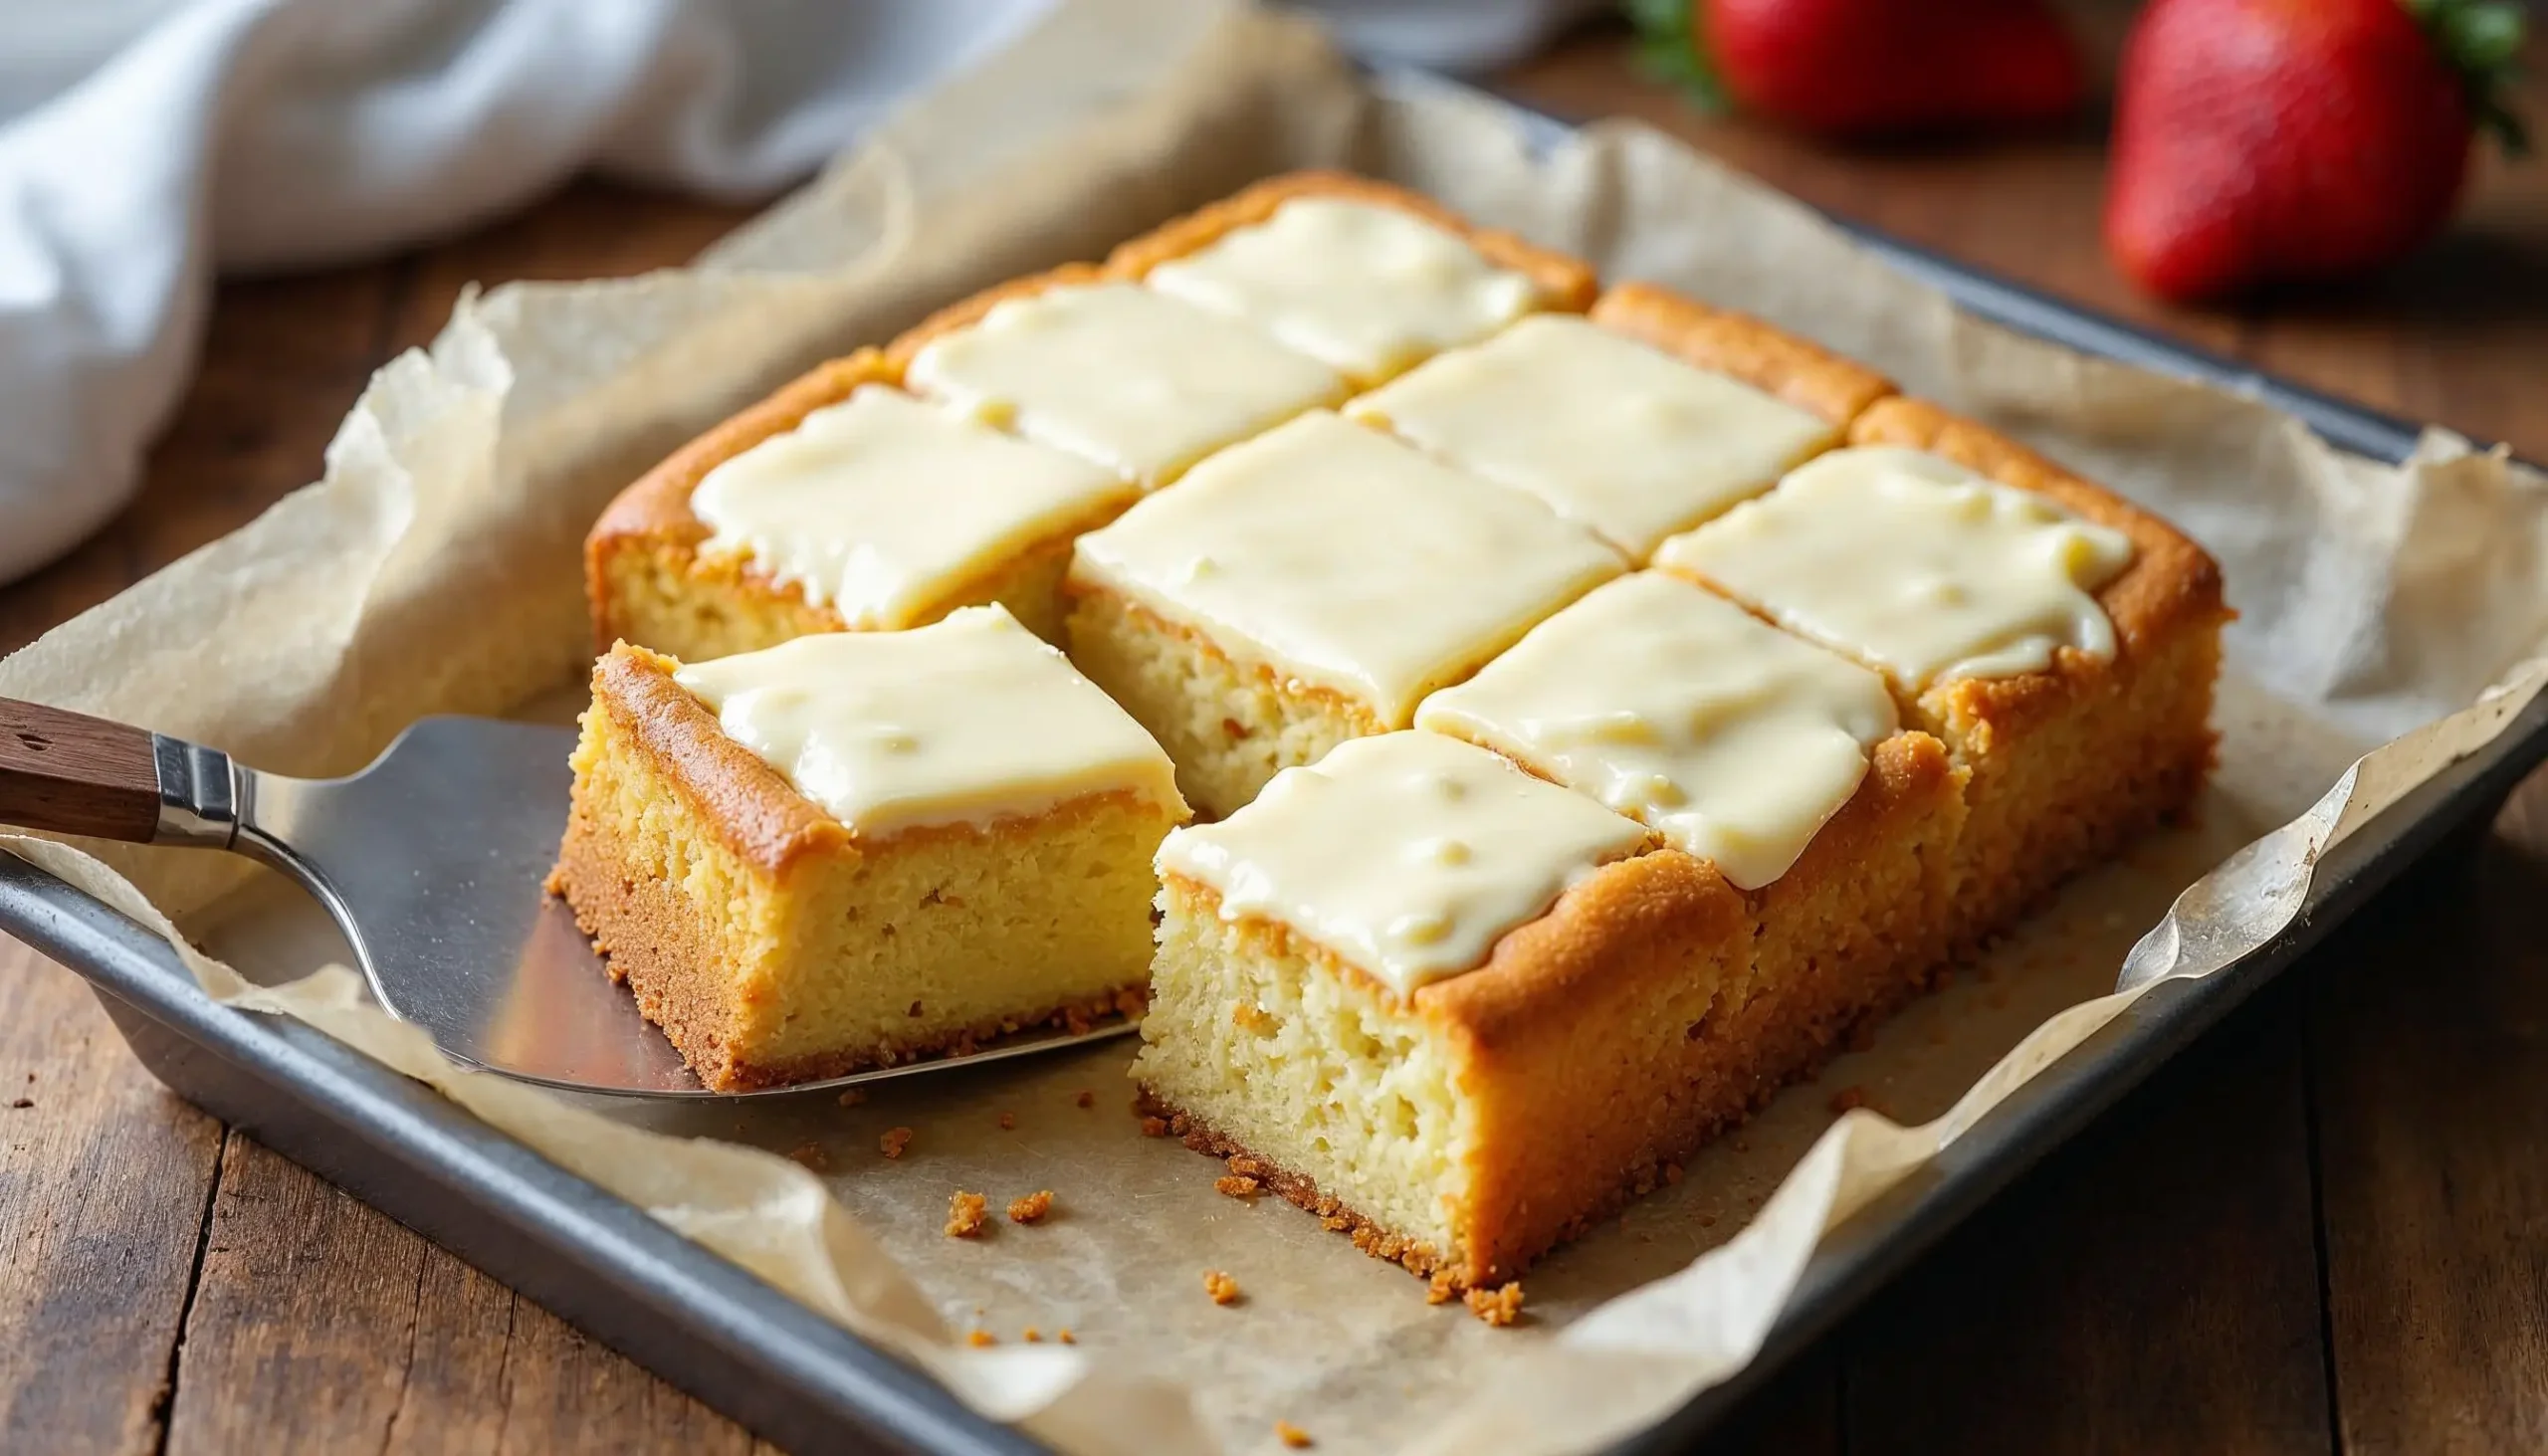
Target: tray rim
[[742, 1345]]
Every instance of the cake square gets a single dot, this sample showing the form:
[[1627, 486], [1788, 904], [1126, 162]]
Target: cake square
[[858, 848], [1622, 437], [2059, 642], [1801, 374], [1143, 383], [1367, 277], [1441, 1003], [1308, 586], [839, 502], [1780, 762]]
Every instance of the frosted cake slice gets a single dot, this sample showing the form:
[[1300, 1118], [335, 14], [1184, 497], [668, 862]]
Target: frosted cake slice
[[1370, 278], [839, 502], [857, 848], [2060, 643], [1441, 1003], [1306, 587], [1140, 383]]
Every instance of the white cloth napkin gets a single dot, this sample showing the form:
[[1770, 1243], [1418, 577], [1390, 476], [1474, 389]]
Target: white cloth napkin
[[147, 145]]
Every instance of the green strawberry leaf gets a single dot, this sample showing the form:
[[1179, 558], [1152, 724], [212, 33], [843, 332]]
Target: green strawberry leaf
[[2480, 39], [1670, 49]]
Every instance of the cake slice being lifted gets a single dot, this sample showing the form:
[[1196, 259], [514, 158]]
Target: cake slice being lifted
[[855, 849], [1439, 1002]]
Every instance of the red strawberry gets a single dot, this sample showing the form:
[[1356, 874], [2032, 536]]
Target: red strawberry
[[1856, 68], [2267, 140]]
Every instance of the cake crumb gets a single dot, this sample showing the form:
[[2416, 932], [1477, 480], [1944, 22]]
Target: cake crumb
[[1848, 1099], [1292, 1435], [894, 1141], [811, 1156], [1032, 1207], [1222, 1288], [1236, 1187], [1031, 1334], [1707, 1220], [979, 1338], [1496, 1307], [1742, 1144], [1154, 1127], [853, 1097], [1065, 1336], [1086, 1097], [1441, 1289], [1671, 1172], [965, 1218], [22, 1101], [1007, 1122], [1247, 1167]]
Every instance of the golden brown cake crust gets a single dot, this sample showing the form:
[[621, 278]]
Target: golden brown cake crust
[[968, 312], [1565, 284], [654, 514], [1804, 374], [753, 810]]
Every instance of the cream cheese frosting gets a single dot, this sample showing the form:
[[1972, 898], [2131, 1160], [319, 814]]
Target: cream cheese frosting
[[1914, 564], [1369, 289], [882, 506], [1408, 854], [1622, 437], [1341, 558], [967, 721], [1673, 706], [1138, 381]]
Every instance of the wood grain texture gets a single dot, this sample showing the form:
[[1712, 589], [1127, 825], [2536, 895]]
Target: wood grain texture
[[2428, 1035], [65, 772], [104, 1179]]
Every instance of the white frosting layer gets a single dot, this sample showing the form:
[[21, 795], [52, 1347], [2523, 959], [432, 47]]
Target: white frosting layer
[[883, 504], [1408, 855], [1133, 379], [1628, 440], [1369, 289], [1914, 564], [1343, 558], [1733, 739], [967, 721]]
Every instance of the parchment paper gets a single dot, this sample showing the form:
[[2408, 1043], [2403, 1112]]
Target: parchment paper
[[433, 570]]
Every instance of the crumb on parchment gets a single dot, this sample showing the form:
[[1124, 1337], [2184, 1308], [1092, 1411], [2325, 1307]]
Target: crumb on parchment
[[1007, 1122], [853, 1097], [1154, 1127], [1032, 1207], [981, 1338], [1848, 1099], [1086, 1097], [1292, 1435], [1065, 1336], [1236, 1187], [1031, 1334], [894, 1141], [1498, 1307], [1222, 1288], [812, 1156], [964, 1216]]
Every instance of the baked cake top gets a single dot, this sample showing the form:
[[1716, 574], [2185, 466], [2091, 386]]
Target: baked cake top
[[1369, 289], [967, 721], [1914, 564], [880, 505], [1138, 381], [1625, 439], [1337, 555], [1407, 854], [1731, 738]]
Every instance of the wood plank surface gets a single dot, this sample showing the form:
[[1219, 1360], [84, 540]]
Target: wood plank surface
[[2326, 1229]]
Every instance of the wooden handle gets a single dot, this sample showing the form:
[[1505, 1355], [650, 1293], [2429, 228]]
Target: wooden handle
[[65, 772]]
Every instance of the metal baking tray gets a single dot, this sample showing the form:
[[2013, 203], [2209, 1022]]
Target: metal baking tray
[[740, 1346]]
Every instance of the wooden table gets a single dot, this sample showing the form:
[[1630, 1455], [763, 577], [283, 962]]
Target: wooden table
[[2325, 1227]]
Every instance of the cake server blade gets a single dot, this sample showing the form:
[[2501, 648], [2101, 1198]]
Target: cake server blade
[[431, 862]]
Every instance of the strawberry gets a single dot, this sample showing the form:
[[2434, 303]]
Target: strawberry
[[2260, 141], [1858, 67]]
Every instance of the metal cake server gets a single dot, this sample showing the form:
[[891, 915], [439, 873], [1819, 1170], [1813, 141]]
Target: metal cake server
[[431, 863]]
